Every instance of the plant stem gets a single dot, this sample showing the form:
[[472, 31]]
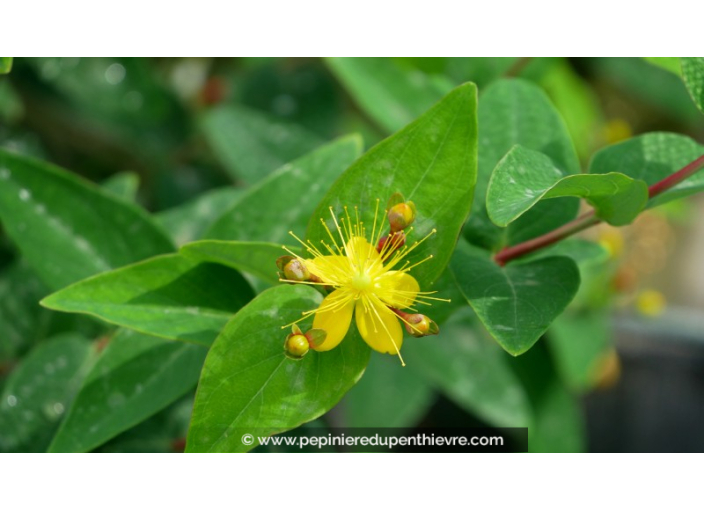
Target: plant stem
[[517, 67], [589, 218]]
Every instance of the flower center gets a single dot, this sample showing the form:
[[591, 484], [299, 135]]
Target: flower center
[[361, 281]]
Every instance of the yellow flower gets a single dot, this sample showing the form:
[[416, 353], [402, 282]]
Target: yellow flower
[[372, 285]]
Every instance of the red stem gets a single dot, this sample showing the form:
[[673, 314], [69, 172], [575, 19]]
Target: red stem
[[589, 218]]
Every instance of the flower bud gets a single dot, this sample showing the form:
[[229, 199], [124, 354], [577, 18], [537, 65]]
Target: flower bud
[[401, 216], [420, 325], [316, 337], [293, 269], [296, 346], [390, 243]]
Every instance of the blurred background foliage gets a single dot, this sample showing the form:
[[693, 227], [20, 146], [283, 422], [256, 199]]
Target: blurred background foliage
[[185, 138]]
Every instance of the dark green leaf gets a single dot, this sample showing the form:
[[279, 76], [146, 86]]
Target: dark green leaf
[[693, 74], [431, 162], [516, 303], [251, 144], [39, 390], [651, 158], [68, 229], [188, 222], [123, 185], [525, 177], [388, 395], [169, 296], [391, 94], [471, 370], [248, 384], [287, 198], [515, 112], [135, 376], [258, 259]]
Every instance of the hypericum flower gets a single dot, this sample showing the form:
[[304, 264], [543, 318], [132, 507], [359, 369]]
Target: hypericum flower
[[371, 283]]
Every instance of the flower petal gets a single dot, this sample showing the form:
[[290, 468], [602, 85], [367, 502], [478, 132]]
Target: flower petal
[[334, 315], [363, 255], [334, 270], [378, 326], [397, 289]]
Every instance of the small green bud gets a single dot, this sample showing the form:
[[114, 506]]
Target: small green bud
[[421, 325], [401, 216], [316, 337], [296, 346]]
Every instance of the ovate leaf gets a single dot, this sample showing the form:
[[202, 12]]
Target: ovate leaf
[[651, 158], [432, 162], [249, 386], [251, 144], [524, 177], [516, 112], [391, 94], [287, 198], [516, 303], [258, 259], [40, 390], [123, 185], [169, 296], [136, 376], [693, 74], [68, 229]]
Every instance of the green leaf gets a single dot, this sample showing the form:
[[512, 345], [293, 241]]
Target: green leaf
[[39, 390], [258, 259], [516, 303], [123, 185], [671, 64], [251, 144], [68, 229], [578, 341], [248, 384], [693, 74], [285, 200], [389, 93], [515, 112], [525, 177], [557, 423], [471, 370], [190, 221], [169, 296], [431, 162], [388, 395], [651, 158], [5, 65], [136, 376]]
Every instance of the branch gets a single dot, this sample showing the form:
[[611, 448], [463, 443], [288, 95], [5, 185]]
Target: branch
[[589, 218]]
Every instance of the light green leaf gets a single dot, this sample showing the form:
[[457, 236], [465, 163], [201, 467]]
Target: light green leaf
[[258, 259], [286, 199], [68, 229], [388, 395], [472, 371], [651, 158], [525, 177], [516, 303], [248, 384], [123, 185], [251, 144], [578, 341], [693, 74], [671, 64], [516, 112], [5, 65], [389, 93], [188, 222], [40, 390], [169, 296], [136, 376], [432, 162]]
